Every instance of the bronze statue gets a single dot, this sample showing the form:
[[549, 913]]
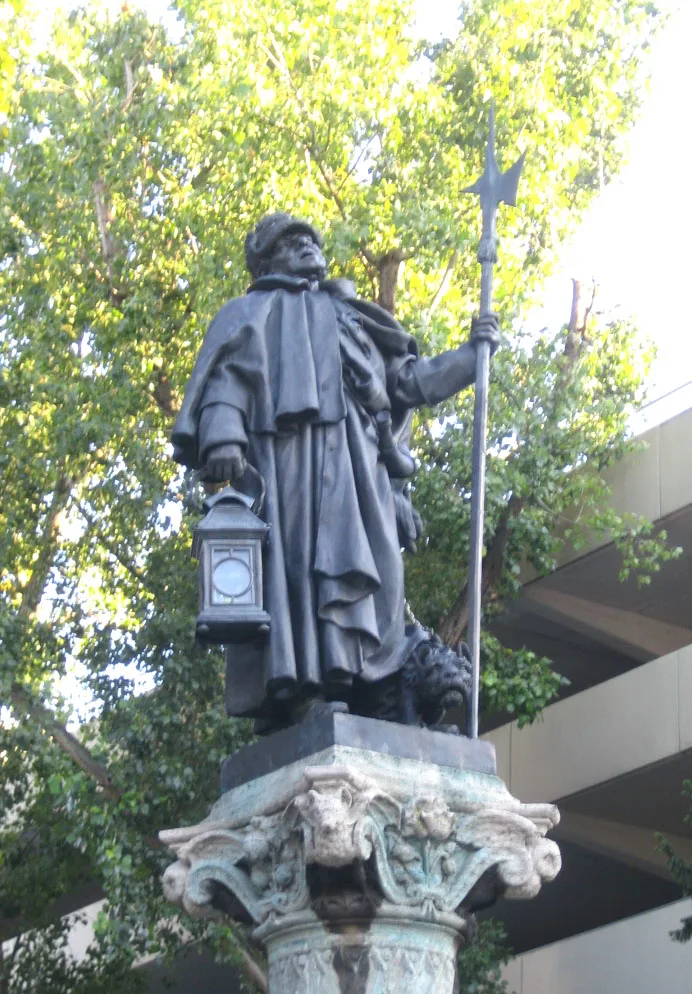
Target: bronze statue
[[313, 388]]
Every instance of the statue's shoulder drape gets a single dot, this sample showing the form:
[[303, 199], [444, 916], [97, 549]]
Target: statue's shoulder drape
[[279, 345]]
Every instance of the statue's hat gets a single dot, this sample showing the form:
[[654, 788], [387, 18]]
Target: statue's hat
[[265, 235]]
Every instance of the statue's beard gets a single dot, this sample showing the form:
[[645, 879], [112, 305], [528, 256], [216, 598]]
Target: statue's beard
[[312, 273], [315, 274]]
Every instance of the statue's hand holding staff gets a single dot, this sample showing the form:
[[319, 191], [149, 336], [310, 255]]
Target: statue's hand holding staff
[[485, 328]]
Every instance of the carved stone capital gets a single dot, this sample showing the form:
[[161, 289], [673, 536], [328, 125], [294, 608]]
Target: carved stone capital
[[359, 868], [344, 842]]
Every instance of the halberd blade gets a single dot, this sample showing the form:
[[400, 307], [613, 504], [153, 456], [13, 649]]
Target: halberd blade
[[510, 182], [494, 187]]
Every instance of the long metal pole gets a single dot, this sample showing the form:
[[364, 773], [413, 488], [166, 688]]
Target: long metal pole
[[493, 187], [480, 435]]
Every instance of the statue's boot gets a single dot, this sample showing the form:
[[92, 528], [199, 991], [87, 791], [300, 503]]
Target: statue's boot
[[314, 707]]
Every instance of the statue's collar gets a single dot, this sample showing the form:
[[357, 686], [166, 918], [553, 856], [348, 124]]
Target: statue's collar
[[341, 288]]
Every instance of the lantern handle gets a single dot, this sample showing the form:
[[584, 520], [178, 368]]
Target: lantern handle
[[252, 484], [251, 491]]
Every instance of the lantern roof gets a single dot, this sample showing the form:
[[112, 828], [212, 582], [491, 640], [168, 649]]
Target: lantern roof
[[229, 515], [229, 495]]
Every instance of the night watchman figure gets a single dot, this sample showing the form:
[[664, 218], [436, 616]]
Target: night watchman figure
[[312, 388]]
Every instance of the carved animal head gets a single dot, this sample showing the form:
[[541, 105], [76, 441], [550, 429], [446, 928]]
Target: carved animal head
[[438, 677], [330, 825], [330, 810]]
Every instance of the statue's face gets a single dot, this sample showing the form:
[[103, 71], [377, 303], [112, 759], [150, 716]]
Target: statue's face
[[296, 254]]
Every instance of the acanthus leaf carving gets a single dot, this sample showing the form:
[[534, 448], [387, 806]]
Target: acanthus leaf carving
[[424, 854]]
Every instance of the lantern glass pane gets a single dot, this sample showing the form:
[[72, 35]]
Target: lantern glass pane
[[232, 575]]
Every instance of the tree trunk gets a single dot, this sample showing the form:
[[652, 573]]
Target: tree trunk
[[388, 267], [452, 626], [573, 338]]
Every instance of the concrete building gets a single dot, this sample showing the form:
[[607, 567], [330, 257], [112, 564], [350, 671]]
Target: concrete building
[[613, 751]]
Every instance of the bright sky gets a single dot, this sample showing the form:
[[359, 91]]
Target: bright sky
[[635, 240]]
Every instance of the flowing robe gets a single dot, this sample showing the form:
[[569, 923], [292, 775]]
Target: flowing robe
[[295, 373]]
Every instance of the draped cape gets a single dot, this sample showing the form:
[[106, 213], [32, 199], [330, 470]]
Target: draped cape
[[294, 374]]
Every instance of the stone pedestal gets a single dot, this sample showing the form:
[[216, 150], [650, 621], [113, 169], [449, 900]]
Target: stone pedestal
[[359, 848]]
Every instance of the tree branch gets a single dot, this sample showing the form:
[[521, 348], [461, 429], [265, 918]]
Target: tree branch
[[48, 541], [103, 220], [130, 86], [573, 338], [111, 548], [388, 267], [163, 394], [254, 970], [278, 60], [370, 261], [26, 704], [21, 697], [587, 312], [357, 161], [443, 285]]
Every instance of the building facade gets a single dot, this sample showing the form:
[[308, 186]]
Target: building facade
[[613, 752]]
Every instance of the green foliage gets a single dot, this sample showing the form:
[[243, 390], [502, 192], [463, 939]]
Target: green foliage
[[132, 166], [680, 869], [40, 963], [480, 962], [516, 681], [557, 420], [12, 39]]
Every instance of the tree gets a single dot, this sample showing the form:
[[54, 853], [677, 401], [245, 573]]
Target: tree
[[680, 870], [133, 165], [12, 40]]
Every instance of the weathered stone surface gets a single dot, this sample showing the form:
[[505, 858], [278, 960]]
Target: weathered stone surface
[[359, 868], [428, 834], [385, 956], [335, 729]]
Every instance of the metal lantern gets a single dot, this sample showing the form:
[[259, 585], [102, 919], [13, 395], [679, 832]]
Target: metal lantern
[[228, 543]]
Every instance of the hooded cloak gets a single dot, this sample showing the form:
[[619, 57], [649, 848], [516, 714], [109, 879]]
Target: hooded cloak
[[295, 372]]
